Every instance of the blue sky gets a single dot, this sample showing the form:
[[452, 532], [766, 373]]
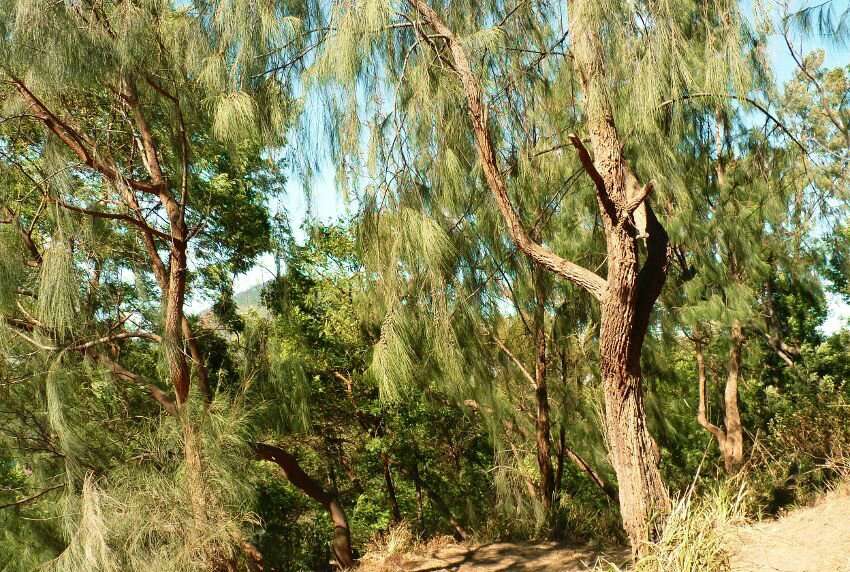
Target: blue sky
[[325, 204]]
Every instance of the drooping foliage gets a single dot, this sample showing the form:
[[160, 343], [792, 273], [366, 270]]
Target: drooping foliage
[[417, 366]]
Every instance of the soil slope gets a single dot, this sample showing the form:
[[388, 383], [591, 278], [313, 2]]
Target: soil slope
[[812, 539]]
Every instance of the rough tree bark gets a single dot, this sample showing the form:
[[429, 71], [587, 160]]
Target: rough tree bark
[[341, 545], [630, 290], [630, 295]]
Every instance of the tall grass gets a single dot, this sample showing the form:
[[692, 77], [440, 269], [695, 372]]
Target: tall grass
[[697, 535]]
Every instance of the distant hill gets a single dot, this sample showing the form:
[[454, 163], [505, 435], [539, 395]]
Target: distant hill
[[250, 299], [245, 300]]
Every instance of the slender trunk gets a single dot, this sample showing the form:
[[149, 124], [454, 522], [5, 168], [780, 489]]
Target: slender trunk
[[730, 437], [732, 442], [341, 545], [559, 471], [195, 482], [391, 496], [733, 453], [198, 361], [420, 512], [542, 423]]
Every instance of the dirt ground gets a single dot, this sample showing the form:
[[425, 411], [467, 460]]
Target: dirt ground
[[504, 556], [811, 539]]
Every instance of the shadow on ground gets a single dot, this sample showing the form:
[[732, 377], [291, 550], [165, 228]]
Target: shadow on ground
[[546, 557]]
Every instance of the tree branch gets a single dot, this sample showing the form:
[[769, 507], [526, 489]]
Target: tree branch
[[79, 144], [32, 498], [120, 371], [114, 216], [516, 361], [754, 103], [541, 255]]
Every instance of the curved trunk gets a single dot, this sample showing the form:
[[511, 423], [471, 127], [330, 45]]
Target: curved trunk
[[730, 437], [341, 545]]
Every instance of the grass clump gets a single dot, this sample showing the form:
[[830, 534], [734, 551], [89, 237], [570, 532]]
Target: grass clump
[[697, 535]]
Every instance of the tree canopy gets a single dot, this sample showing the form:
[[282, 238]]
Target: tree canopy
[[584, 271]]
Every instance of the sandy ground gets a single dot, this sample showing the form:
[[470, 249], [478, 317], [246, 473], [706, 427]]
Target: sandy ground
[[812, 539]]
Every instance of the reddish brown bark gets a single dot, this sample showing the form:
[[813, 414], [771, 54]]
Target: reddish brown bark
[[171, 278], [341, 544], [543, 433]]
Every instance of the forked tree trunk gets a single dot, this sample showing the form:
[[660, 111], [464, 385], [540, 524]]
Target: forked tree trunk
[[631, 293], [730, 437], [341, 545], [630, 290]]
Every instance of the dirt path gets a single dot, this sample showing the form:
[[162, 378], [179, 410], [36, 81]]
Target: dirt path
[[813, 539], [505, 556]]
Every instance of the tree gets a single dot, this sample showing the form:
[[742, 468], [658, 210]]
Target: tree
[[132, 158], [476, 68]]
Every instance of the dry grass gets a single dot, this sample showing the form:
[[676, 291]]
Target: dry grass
[[388, 552], [696, 536]]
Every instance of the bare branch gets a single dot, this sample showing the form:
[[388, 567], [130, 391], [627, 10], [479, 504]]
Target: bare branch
[[32, 498], [78, 143], [516, 361]]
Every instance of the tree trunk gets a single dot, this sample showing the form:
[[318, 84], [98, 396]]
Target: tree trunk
[[341, 545], [733, 455], [630, 291], [542, 423], [391, 496], [559, 471], [630, 294], [730, 437]]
